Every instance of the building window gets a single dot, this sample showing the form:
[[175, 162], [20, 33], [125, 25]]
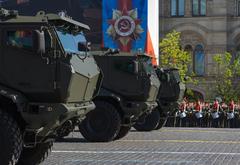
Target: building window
[[238, 7], [199, 7], [199, 60], [177, 7]]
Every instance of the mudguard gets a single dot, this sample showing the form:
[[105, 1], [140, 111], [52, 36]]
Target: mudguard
[[13, 95], [107, 93]]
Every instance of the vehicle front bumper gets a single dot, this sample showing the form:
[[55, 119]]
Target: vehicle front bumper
[[42, 119]]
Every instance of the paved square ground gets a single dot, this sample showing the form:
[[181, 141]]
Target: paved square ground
[[168, 146]]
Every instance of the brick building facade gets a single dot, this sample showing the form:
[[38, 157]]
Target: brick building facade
[[208, 27]]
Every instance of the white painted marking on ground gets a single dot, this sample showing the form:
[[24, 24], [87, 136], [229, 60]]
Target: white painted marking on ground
[[236, 131], [129, 161], [146, 152], [183, 141]]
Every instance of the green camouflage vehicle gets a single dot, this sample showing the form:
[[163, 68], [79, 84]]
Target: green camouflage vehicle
[[170, 94], [129, 90], [46, 78]]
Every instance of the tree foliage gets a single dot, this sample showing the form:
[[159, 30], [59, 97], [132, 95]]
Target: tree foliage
[[172, 56], [228, 70]]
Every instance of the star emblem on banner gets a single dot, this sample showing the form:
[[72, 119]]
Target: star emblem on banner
[[125, 26]]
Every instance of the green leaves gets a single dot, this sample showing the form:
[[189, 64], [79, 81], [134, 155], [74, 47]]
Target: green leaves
[[228, 69], [172, 56]]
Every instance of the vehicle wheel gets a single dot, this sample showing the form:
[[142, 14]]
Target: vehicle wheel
[[36, 155], [101, 124], [10, 140], [123, 132], [150, 123]]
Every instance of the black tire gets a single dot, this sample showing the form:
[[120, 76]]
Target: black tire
[[123, 132], [101, 124], [11, 141], [150, 123], [36, 155]]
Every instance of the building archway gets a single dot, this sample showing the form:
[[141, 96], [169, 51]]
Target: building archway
[[234, 37], [193, 43], [195, 30], [191, 39]]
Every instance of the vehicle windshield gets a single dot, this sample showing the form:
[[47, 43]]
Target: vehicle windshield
[[70, 41]]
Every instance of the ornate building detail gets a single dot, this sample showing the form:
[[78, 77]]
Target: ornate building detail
[[216, 30]]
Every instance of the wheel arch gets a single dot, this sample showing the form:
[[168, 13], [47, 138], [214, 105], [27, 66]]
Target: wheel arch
[[115, 101]]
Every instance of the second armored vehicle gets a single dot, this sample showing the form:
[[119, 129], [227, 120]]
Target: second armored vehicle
[[129, 90]]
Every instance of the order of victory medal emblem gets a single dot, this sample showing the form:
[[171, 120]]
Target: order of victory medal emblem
[[124, 26]]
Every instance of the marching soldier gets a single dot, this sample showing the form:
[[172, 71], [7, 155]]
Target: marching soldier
[[181, 118], [231, 115], [206, 114], [190, 116], [223, 114], [215, 113], [198, 113], [237, 110], [238, 115]]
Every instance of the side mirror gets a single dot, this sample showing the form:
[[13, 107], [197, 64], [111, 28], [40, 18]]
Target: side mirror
[[83, 46], [89, 46], [39, 41], [136, 67]]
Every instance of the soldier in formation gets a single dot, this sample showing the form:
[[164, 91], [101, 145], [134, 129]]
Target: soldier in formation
[[207, 114]]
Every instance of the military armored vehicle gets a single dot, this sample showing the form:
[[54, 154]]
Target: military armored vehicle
[[46, 78], [170, 94], [129, 90]]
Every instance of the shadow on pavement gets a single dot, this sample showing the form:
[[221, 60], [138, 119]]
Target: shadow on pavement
[[71, 140]]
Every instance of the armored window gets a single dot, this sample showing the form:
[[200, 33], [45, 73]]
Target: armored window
[[125, 66], [70, 41], [177, 7], [20, 39], [199, 61], [199, 7]]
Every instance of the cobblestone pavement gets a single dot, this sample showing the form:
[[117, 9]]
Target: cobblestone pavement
[[167, 146]]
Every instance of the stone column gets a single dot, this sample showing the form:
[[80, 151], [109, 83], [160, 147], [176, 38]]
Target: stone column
[[188, 8]]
